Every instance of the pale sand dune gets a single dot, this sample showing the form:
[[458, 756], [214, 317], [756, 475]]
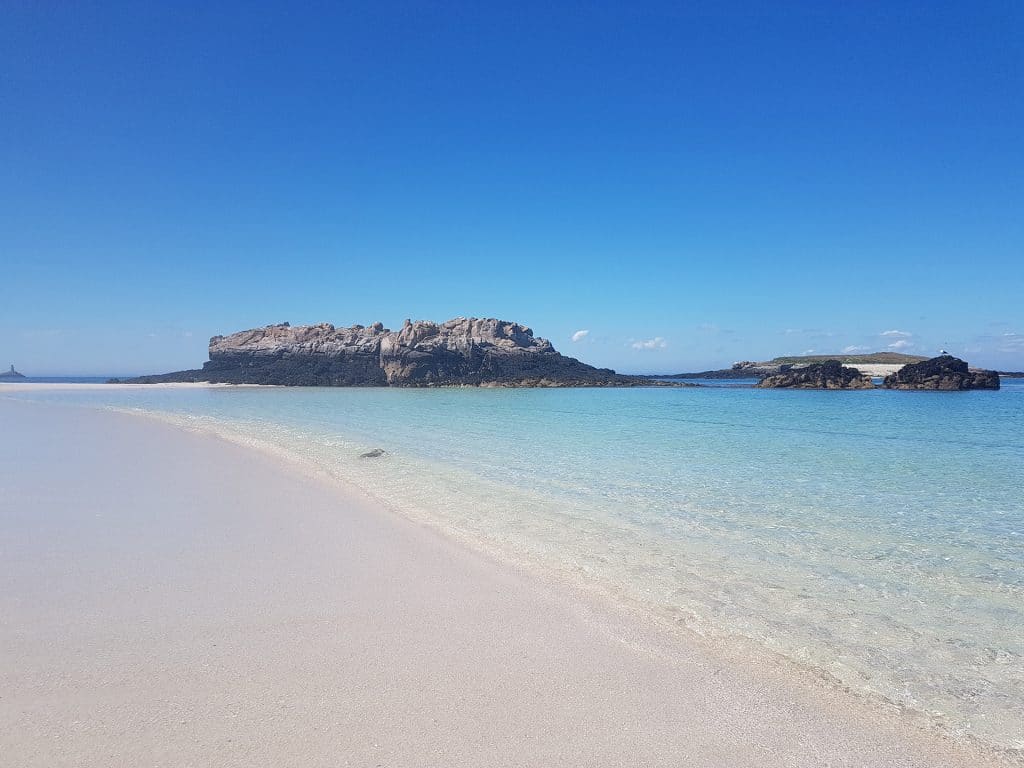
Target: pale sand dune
[[170, 599]]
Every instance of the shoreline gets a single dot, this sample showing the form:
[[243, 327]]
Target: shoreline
[[618, 630], [721, 646]]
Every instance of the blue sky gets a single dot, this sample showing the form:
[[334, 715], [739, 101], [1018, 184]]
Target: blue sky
[[691, 183]]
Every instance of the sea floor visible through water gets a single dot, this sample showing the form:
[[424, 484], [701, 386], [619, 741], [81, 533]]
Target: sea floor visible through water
[[875, 537]]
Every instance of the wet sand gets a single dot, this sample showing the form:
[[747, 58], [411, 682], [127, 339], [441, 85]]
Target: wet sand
[[168, 598]]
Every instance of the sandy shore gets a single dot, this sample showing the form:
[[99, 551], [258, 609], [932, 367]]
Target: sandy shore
[[171, 599]]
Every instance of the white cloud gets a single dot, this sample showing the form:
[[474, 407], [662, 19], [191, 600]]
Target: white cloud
[[900, 344], [853, 349], [897, 334], [656, 343], [580, 335]]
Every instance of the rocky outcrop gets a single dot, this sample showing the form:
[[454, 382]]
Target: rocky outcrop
[[463, 351], [946, 373], [748, 368], [828, 375]]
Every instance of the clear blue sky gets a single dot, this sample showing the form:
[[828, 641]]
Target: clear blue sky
[[691, 183]]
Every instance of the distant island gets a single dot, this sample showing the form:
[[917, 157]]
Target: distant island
[[11, 375], [873, 364], [483, 352], [942, 373]]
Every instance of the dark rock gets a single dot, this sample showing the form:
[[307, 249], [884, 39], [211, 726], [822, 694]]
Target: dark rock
[[944, 373], [373, 454], [828, 375]]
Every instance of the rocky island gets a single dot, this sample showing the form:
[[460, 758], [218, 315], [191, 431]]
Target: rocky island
[[460, 352], [11, 375], [900, 371], [830, 374], [872, 364], [946, 373]]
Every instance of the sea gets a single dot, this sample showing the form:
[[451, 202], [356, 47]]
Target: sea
[[875, 537]]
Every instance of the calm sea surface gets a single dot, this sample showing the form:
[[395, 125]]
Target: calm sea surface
[[876, 536]]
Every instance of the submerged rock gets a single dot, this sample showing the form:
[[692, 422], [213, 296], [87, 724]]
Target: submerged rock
[[828, 375], [944, 373], [372, 454]]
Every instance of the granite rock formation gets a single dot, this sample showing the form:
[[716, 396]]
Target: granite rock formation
[[828, 375], [946, 373], [462, 351]]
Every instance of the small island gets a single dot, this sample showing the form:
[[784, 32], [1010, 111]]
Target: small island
[[480, 352], [12, 375], [898, 371], [871, 364], [943, 373]]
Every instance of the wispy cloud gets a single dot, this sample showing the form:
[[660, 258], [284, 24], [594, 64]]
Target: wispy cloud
[[1011, 342], [811, 333], [853, 349], [580, 335], [43, 333], [900, 339], [656, 343], [713, 328]]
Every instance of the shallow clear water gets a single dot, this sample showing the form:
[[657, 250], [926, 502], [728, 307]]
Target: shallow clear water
[[876, 536]]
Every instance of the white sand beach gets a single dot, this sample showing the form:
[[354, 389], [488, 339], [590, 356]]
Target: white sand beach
[[168, 598]]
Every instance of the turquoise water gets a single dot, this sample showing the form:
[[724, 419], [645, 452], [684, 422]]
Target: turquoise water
[[875, 536]]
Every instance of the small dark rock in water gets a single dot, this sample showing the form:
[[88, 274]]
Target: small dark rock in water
[[945, 373], [372, 454], [828, 375]]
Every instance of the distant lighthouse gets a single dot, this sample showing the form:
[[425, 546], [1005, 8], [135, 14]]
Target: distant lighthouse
[[11, 374]]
